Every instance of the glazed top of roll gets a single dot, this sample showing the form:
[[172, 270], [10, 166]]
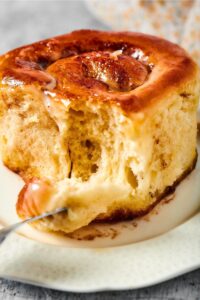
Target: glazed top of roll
[[131, 70]]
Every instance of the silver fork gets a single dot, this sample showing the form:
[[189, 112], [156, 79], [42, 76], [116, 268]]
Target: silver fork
[[4, 232]]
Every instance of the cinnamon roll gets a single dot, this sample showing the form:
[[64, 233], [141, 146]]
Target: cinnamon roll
[[102, 123]]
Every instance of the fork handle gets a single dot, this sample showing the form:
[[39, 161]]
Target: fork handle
[[4, 232], [3, 235]]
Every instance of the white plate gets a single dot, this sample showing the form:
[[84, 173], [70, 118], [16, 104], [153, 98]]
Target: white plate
[[92, 269], [86, 270]]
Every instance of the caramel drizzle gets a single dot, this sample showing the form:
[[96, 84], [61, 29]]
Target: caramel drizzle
[[105, 66]]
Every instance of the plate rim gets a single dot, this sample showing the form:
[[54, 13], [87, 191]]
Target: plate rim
[[101, 289], [112, 287]]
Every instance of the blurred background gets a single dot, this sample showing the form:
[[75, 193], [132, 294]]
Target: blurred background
[[26, 21], [23, 22]]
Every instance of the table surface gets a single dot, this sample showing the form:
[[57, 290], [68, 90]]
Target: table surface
[[23, 22]]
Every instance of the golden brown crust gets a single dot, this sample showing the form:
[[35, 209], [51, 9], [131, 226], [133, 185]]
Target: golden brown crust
[[156, 67], [29, 203]]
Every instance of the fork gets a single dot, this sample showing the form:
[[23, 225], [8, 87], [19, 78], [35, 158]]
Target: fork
[[4, 232]]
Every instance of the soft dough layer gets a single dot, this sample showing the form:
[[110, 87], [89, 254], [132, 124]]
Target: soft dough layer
[[101, 160], [97, 160]]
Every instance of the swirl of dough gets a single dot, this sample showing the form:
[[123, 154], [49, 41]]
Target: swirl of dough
[[122, 67]]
